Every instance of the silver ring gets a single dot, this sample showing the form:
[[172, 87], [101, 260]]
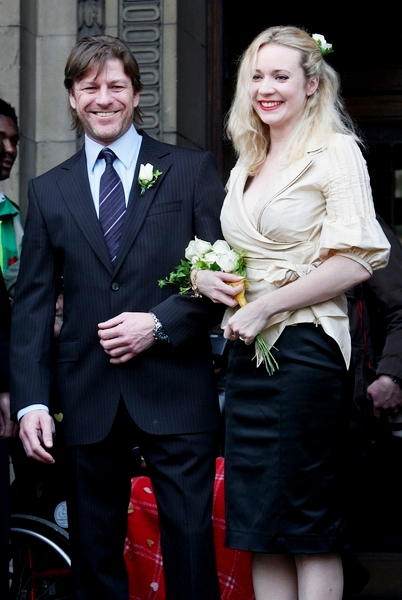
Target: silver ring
[[242, 339]]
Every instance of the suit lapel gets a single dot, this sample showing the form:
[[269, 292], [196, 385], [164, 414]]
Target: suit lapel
[[138, 205], [77, 195], [76, 192]]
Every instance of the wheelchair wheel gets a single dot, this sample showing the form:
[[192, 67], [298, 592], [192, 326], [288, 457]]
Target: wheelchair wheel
[[39, 560]]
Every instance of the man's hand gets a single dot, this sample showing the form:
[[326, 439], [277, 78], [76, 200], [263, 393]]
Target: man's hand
[[126, 335], [36, 433], [7, 427], [385, 394]]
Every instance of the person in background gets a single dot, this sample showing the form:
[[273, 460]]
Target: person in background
[[10, 224], [133, 361], [7, 430], [375, 314], [299, 205]]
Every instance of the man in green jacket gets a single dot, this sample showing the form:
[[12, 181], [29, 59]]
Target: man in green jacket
[[10, 224]]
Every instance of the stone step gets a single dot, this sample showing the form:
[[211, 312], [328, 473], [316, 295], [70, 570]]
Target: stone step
[[385, 581]]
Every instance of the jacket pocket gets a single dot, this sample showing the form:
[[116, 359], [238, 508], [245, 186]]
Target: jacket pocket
[[164, 207]]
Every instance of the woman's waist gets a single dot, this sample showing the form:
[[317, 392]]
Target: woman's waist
[[266, 282], [278, 272]]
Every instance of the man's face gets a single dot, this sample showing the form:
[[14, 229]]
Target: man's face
[[9, 138], [104, 102]]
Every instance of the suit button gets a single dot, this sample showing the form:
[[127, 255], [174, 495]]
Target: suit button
[[115, 286]]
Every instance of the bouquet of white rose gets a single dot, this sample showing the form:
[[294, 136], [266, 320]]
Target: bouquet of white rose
[[219, 256]]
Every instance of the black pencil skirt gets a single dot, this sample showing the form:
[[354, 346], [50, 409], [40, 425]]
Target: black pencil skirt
[[285, 442]]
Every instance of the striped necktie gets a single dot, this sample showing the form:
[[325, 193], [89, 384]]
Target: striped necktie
[[112, 204]]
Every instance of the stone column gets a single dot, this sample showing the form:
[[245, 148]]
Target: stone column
[[10, 73], [112, 17], [48, 32], [169, 72]]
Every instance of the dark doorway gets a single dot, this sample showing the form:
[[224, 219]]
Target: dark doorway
[[368, 57]]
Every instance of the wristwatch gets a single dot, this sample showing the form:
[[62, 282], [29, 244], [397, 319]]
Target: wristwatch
[[158, 331]]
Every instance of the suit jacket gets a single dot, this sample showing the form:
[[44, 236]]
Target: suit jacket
[[4, 335], [167, 389], [375, 312]]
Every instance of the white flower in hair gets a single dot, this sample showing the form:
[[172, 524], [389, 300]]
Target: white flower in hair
[[323, 45]]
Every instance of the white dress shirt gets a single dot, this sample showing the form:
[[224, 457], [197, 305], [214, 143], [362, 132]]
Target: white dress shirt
[[126, 148]]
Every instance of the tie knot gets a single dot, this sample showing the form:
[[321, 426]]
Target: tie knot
[[108, 155]]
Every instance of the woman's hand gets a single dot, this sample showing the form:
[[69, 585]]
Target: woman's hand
[[248, 321], [215, 285]]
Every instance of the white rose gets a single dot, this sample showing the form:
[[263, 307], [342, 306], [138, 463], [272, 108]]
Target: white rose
[[321, 41], [221, 247], [189, 252], [210, 258], [201, 246], [228, 262], [196, 249], [146, 172]]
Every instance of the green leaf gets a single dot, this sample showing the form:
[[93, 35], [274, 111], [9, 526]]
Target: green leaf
[[180, 276]]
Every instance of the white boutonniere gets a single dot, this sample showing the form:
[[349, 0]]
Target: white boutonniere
[[147, 176], [323, 45]]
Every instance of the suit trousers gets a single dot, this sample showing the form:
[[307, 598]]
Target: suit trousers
[[182, 469], [4, 517]]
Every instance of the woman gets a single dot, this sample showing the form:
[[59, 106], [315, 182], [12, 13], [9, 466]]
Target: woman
[[299, 203]]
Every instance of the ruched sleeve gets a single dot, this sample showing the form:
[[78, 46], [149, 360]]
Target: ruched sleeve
[[350, 227]]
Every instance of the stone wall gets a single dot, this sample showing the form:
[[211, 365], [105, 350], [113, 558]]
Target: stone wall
[[35, 39], [10, 71]]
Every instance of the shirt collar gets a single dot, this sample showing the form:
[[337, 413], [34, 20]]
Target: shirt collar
[[124, 147]]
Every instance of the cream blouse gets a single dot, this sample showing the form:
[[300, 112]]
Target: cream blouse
[[319, 206]]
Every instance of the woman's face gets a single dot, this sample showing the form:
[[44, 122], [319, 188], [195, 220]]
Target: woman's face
[[278, 88]]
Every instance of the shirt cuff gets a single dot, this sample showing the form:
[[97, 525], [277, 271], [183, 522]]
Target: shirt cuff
[[30, 408]]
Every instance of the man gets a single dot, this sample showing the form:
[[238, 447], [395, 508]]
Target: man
[[7, 429], [375, 313], [10, 224], [132, 361]]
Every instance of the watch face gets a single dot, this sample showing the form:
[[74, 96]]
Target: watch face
[[160, 334]]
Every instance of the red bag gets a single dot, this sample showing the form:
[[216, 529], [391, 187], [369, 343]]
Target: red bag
[[143, 552]]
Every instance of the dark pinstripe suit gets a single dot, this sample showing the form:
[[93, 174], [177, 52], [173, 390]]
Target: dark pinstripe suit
[[4, 464], [168, 390]]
